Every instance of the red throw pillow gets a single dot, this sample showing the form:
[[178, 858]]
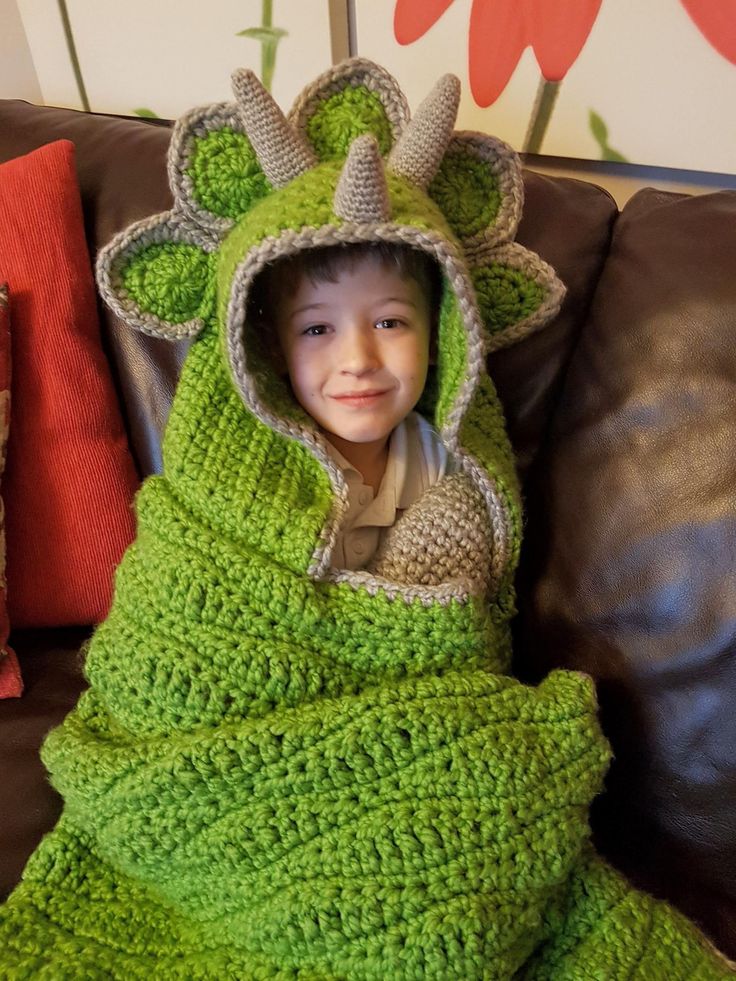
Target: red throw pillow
[[70, 478], [10, 683]]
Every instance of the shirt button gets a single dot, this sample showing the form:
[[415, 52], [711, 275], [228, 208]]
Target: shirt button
[[358, 548]]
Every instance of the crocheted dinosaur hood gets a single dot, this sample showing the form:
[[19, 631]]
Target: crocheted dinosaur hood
[[348, 165]]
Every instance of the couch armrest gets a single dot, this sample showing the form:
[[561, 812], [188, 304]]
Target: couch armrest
[[51, 663]]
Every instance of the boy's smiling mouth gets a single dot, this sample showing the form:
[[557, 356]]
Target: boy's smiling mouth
[[360, 397]]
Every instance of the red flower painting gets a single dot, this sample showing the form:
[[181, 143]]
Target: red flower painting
[[716, 20], [500, 31], [556, 30]]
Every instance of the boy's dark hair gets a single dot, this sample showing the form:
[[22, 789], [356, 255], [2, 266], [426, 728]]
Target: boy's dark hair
[[325, 264]]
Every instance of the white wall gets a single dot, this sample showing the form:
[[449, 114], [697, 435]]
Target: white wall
[[168, 57], [666, 95], [18, 78], [645, 68]]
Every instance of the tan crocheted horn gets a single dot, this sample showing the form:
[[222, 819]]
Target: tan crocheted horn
[[281, 153], [361, 194], [419, 151]]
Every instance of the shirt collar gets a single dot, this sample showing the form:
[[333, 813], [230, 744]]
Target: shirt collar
[[400, 481]]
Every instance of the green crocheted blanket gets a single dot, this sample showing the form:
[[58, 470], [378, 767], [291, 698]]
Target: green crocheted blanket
[[281, 770]]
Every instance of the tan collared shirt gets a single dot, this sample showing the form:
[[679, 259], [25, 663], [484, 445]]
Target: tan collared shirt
[[416, 460]]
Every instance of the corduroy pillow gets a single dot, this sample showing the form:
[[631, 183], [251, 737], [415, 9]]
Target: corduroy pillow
[[10, 681], [70, 478]]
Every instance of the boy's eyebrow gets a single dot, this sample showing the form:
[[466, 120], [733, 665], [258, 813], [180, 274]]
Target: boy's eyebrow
[[307, 306], [320, 306], [398, 299]]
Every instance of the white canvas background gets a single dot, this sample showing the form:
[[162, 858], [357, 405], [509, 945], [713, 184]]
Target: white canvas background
[[665, 94]]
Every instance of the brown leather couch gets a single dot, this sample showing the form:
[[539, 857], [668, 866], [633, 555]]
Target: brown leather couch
[[623, 416]]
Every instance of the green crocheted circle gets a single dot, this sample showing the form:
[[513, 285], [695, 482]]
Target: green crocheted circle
[[169, 280], [343, 117], [226, 176], [467, 193], [505, 296]]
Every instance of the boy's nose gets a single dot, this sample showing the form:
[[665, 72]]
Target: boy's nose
[[358, 354]]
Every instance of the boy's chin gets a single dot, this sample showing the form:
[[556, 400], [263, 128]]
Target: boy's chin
[[358, 436]]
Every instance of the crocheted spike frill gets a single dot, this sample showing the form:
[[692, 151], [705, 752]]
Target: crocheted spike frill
[[282, 770]]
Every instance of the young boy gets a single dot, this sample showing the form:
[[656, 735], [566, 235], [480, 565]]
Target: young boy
[[285, 767], [353, 327]]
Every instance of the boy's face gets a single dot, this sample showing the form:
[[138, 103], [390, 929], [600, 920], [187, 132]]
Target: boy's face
[[357, 350]]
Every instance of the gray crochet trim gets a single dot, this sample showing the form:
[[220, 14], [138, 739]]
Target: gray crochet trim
[[171, 226], [505, 166], [498, 514], [719, 953], [534, 267], [193, 126], [427, 595], [290, 242], [282, 153], [355, 72], [3, 294], [421, 147], [362, 194]]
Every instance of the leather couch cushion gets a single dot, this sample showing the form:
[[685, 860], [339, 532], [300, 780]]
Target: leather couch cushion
[[52, 671], [632, 574], [569, 223]]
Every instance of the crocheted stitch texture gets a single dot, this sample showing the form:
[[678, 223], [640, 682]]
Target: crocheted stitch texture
[[284, 772]]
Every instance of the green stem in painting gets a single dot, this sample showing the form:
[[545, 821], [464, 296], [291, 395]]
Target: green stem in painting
[[544, 105], [268, 37], [72, 49], [268, 51]]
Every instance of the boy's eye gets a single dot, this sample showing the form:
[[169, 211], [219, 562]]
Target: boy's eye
[[314, 330], [387, 323]]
